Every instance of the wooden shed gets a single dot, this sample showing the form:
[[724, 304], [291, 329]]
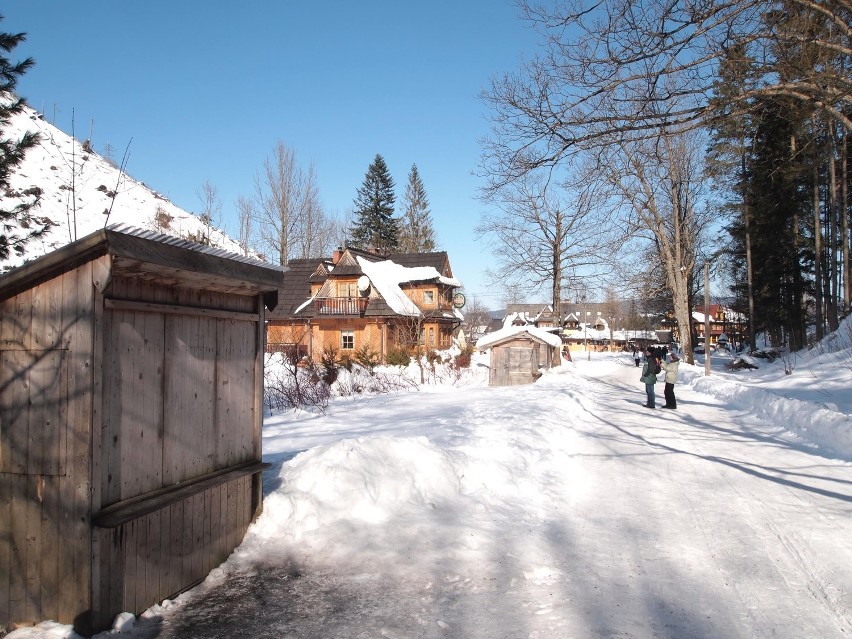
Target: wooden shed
[[131, 382], [518, 353]]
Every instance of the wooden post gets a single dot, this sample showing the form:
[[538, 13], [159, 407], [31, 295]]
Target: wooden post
[[707, 318]]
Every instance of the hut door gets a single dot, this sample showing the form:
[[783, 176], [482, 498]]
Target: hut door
[[521, 365]]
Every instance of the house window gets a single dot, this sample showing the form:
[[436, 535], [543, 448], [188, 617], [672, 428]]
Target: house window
[[431, 335], [347, 340], [428, 297], [347, 289], [446, 337]]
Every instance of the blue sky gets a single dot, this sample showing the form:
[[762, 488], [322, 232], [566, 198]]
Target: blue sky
[[206, 89]]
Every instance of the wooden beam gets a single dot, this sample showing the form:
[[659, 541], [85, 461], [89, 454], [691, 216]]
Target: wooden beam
[[136, 507], [175, 309]]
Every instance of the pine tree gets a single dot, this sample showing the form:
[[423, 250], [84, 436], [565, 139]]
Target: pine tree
[[17, 223], [778, 178], [375, 226], [729, 157], [416, 233]]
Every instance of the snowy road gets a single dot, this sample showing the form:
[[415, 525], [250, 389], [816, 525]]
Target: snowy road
[[713, 526], [559, 510]]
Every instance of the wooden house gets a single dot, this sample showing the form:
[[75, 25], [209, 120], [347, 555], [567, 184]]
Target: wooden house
[[361, 300], [131, 368], [519, 353]]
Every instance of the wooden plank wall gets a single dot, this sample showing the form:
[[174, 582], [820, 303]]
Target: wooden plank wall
[[46, 373], [174, 397], [178, 391], [159, 555], [179, 402]]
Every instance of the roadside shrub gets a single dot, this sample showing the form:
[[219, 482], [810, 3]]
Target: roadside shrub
[[331, 365], [294, 385], [463, 359], [398, 356], [367, 358]]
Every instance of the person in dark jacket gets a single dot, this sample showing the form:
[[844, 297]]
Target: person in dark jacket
[[649, 377]]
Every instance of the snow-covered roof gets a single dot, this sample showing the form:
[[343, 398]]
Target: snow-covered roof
[[510, 331], [521, 316], [387, 276]]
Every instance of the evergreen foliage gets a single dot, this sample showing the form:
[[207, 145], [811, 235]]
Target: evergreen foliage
[[374, 226], [777, 193], [766, 154], [417, 235], [18, 224]]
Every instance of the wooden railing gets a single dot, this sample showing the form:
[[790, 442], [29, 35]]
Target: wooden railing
[[340, 305]]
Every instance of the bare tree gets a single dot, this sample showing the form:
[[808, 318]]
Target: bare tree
[[612, 311], [211, 209], [245, 215], [642, 66], [656, 187], [290, 219], [541, 234], [410, 336], [476, 320]]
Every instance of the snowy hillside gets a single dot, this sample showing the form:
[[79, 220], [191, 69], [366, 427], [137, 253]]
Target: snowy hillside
[[80, 187]]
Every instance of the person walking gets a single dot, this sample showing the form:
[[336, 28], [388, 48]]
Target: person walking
[[637, 356], [671, 378], [649, 376]]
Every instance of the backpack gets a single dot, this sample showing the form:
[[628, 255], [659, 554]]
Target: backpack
[[657, 369]]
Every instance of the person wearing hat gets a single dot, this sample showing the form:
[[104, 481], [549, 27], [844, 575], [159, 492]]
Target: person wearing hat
[[671, 377]]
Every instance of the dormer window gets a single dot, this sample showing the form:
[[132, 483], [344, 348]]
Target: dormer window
[[429, 297]]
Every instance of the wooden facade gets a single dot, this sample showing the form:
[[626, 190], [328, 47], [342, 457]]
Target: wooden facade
[[332, 304], [131, 371]]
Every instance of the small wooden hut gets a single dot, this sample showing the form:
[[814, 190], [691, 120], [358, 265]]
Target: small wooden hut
[[131, 381], [518, 353]]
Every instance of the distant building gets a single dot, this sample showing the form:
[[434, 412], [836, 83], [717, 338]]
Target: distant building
[[362, 300]]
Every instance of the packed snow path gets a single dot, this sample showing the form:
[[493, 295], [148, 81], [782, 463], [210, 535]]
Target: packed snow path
[[559, 510]]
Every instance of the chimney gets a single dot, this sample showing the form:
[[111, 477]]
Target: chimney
[[335, 256]]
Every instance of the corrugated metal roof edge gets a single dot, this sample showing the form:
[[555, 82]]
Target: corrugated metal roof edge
[[180, 242]]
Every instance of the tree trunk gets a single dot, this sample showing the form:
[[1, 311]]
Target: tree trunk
[[831, 217], [844, 222], [818, 292], [556, 266], [749, 271]]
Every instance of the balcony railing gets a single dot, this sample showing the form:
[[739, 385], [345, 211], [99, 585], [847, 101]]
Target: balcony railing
[[340, 305]]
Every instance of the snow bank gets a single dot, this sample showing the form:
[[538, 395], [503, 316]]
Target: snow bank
[[820, 425]]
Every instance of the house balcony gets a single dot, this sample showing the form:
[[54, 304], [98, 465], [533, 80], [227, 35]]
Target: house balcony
[[340, 305]]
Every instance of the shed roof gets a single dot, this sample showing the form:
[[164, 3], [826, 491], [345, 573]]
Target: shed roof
[[511, 332], [155, 257]]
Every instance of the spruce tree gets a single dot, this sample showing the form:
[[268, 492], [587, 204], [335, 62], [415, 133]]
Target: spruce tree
[[375, 226], [18, 225], [416, 233], [778, 192]]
